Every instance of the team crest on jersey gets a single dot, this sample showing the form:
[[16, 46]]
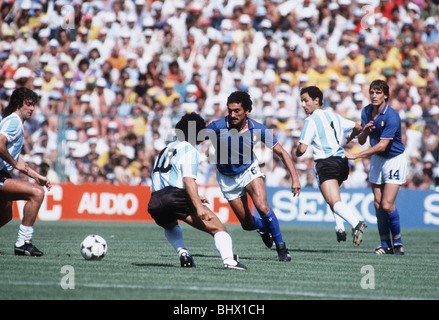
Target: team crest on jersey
[[383, 123]]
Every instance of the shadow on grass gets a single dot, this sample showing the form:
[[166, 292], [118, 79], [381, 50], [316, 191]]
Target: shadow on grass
[[160, 265], [331, 251]]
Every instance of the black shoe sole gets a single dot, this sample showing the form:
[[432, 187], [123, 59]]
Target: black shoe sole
[[22, 252]]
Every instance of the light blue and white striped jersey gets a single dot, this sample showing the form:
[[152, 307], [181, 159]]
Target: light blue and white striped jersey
[[325, 131], [177, 161], [12, 128]]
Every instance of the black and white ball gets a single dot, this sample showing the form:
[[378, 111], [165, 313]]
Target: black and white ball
[[93, 247]]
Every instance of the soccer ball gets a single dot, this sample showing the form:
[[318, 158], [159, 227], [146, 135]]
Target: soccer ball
[[93, 247]]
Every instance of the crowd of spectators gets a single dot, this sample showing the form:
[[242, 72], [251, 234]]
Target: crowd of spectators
[[114, 76]]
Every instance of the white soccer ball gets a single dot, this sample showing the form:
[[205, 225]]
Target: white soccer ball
[[93, 247]]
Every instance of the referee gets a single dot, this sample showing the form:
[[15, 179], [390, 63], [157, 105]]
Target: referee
[[324, 131]]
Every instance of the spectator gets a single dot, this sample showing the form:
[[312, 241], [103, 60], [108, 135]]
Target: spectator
[[118, 65]]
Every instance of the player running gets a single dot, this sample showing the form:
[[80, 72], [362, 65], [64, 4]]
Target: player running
[[324, 131], [175, 195], [21, 106], [388, 164], [238, 172]]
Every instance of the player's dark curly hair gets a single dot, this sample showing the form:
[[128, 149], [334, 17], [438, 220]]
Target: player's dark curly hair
[[313, 92], [19, 96], [190, 126], [241, 97], [382, 86]]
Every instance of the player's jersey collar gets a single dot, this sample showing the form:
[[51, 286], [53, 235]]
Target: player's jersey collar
[[386, 105]]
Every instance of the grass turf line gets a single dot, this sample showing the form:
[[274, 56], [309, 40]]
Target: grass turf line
[[141, 264]]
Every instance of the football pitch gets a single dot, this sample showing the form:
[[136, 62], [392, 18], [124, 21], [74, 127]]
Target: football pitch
[[141, 264]]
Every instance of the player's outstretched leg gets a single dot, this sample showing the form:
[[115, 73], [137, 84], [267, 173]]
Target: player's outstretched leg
[[174, 235], [257, 192], [222, 239], [272, 224], [248, 221], [34, 195]]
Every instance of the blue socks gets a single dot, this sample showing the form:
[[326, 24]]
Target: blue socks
[[388, 223], [272, 225], [384, 228], [395, 228], [259, 224]]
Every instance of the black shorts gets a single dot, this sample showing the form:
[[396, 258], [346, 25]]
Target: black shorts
[[169, 204], [3, 176], [332, 168]]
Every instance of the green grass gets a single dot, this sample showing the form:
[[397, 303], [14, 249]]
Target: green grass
[[140, 264]]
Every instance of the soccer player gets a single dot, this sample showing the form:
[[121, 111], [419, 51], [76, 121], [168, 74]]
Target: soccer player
[[238, 172], [21, 106], [324, 131], [388, 164], [175, 194]]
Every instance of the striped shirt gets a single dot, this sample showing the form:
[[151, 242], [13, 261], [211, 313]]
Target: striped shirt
[[12, 128], [324, 131], [177, 161]]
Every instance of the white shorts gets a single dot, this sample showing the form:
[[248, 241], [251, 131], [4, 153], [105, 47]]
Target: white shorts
[[233, 187], [385, 170]]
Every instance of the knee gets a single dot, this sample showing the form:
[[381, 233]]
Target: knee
[[384, 206], [387, 207], [37, 194], [262, 207]]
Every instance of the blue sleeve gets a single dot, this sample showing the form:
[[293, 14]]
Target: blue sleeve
[[391, 125], [211, 130], [364, 120], [266, 136]]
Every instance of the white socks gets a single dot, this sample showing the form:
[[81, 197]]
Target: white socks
[[339, 222], [342, 210], [223, 243], [24, 234]]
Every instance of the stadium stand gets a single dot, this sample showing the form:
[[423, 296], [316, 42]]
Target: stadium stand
[[114, 76]]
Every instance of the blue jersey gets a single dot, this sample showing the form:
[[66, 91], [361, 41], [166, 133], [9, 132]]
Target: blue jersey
[[12, 128], [233, 149], [387, 126]]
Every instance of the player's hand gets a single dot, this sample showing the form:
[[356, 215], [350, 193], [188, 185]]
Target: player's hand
[[369, 127], [44, 182], [205, 213], [350, 156], [295, 188]]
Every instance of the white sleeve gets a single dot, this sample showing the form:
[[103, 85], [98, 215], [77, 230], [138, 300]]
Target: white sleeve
[[308, 132]]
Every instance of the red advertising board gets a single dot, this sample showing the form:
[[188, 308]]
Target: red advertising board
[[93, 202]]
